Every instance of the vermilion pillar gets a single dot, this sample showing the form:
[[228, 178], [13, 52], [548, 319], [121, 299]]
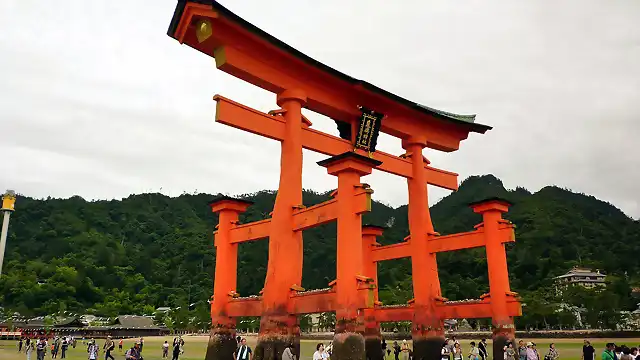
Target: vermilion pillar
[[372, 335], [222, 341], [277, 326], [427, 328], [499, 289], [348, 343]]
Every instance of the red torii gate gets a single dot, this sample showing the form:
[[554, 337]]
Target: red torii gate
[[248, 53]]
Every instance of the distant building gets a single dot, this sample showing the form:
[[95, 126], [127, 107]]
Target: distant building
[[582, 277]]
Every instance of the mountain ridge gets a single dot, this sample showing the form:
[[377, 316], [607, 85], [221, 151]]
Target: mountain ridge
[[148, 250]]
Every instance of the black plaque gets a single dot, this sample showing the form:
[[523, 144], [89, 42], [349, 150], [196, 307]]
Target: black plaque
[[368, 129]]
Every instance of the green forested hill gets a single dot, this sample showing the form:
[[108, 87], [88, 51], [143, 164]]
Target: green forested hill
[[150, 250]]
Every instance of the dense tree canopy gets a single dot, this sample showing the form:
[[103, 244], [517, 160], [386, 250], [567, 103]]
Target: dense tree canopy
[[150, 250]]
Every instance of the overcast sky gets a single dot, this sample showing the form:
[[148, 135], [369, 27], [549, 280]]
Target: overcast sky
[[96, 100]]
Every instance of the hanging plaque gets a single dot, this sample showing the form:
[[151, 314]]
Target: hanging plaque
[[368, 129]]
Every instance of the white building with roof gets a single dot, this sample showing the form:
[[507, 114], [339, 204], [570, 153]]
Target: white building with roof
[[583, 277]]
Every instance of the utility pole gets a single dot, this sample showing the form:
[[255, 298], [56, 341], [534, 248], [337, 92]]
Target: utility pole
[[8, 206]]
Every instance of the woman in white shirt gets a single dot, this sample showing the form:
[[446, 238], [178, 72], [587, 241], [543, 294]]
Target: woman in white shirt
[[457, 352], [474, 353], [319, 351]]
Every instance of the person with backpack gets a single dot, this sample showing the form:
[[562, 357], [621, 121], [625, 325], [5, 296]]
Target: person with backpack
[[109, 346], [133, 353]]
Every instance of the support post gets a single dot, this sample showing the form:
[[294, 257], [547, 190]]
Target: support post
[[348, 341], [278, 327], [499, 289], [427, 328], [222, 342], [372, 335]]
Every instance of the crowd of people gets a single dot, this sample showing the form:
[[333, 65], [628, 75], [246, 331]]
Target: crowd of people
[[451, 350], [44, 346]]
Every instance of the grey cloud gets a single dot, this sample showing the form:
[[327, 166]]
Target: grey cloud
[[98, 101]]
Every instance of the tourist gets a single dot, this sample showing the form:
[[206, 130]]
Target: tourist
[[510, 352], [325, 352], [316, 355], [120, 344], [405, 350], [165, 349], [141, 344], [28, 348], [588, 352], [532, 354], [65, 346], [287, 354], [92, 349], [457, 351], [474, 353], [55, 347], [626, 354], [383, 347], [41, 349], [396, 350], [522, 350], [482, 348], [133, 353], [20, 345], [243, 352], [608, 353], [618, 352], [634, 352], [445, 353], [553, 353], [108, 346], [176, 349]]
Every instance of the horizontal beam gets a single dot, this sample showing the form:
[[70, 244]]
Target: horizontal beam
[[245, 118], [252, 231], [474, 310], [390, 252], [437, 244], [303, 218], [470, 310], [314, 302], [468, 240], [244, 307]]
